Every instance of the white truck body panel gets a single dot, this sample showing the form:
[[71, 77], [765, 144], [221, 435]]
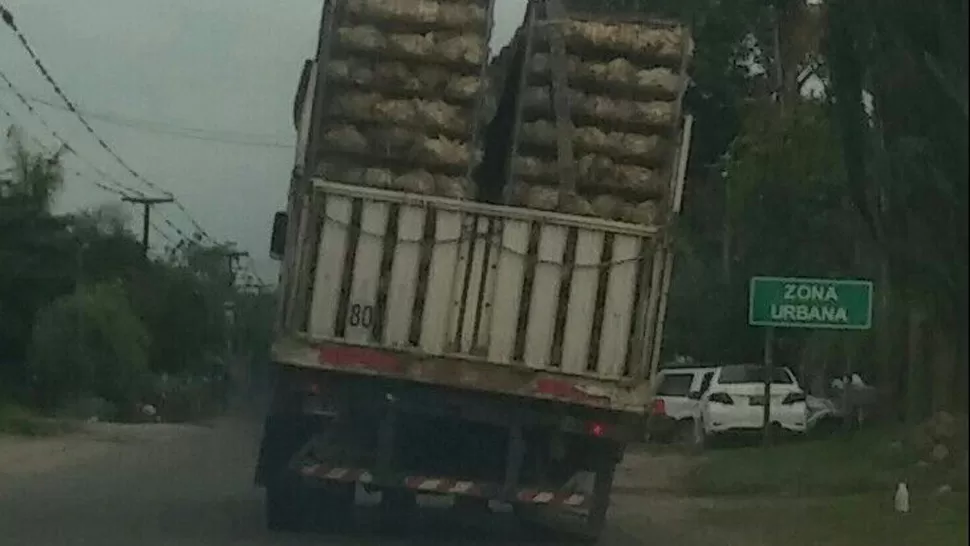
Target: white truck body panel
[[492, 279]]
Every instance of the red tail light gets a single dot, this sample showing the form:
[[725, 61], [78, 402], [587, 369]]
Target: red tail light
[[596, 429], [659, 407]]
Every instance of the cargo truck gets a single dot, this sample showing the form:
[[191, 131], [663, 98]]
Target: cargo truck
[[431, 345]]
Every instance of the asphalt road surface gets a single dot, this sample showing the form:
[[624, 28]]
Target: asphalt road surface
[[162, 485]]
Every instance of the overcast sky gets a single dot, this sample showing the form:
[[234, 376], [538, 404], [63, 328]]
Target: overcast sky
[[227, 66]]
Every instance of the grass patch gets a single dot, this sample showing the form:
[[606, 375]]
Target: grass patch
[[857, 520], [868, 461], [19, 421]]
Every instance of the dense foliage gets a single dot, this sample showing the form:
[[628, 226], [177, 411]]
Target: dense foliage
[[84, 314]]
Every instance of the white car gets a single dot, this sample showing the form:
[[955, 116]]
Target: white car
[[675, 402], [734, 402]]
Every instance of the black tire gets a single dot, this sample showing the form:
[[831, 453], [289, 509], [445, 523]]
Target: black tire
[[330, 508], [285, 508], [398, 509], [471, 505], [293, 508], [684, 433], [602, 488]]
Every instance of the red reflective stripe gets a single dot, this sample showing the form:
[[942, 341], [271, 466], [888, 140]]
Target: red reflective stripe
[[356, 357]]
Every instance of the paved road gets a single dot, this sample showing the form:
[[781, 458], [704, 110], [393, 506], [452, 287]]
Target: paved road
[[191, 486]]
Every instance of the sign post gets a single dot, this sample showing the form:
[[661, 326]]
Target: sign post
[[769, 357], [782, 302]]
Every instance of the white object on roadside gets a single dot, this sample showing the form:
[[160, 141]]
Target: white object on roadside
[[901, 502]]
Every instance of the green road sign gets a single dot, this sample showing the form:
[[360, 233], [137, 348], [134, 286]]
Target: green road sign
[[837, 304]]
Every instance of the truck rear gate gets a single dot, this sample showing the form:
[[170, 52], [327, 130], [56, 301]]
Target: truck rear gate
[[481, 296]]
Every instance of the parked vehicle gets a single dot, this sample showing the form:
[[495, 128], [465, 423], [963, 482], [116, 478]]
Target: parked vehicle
[[676, 401], [734, 402]]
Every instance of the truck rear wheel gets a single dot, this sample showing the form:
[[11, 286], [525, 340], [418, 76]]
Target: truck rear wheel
[[297, 508], [398, 507], [284, 508]]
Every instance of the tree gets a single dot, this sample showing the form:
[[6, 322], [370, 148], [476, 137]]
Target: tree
[[89, 343], [907, 172], [35, 248]]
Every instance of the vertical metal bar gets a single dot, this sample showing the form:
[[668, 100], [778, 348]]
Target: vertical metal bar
[[474, 142], [525, 71], [328, 26], [668, 255], [555, 15]]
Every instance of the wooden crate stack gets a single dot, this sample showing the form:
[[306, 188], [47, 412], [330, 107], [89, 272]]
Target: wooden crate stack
[[405, 88], [621, 83]]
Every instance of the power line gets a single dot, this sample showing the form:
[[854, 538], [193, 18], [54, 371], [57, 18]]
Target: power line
[[9, 20], [99, 185], [122, 188], [207, 135]]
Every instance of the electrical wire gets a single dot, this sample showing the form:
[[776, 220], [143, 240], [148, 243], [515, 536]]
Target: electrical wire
[[8, 19], [177, 131], [120, 187], [108, 189]]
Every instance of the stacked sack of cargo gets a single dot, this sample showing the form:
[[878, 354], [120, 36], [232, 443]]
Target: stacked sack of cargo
[[625, 84], [404, 82]]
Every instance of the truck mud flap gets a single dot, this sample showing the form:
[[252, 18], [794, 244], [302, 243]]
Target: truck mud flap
[[315, 471]]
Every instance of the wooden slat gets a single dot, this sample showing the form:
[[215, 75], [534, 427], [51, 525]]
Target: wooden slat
[[457, 302], [545, 292], [508, 294], [618, 306], [641, 314], [330, 266], [582, 300], [444, 258], [473, 297], [404, 275], [362, 308], [483, 332], [303, 255]]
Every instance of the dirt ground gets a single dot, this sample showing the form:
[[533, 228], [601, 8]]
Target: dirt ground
[[207, 471]]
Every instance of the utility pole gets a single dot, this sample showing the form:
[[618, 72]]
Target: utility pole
[[147, 203], [233, 256], [233, 362]]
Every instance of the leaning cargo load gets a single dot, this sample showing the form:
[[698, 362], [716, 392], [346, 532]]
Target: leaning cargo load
[[625, 82], [402, 102]]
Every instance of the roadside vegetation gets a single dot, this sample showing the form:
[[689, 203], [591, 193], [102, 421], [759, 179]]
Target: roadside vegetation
[[20, 421], [92, 328], [851, 520], [841, 491]]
